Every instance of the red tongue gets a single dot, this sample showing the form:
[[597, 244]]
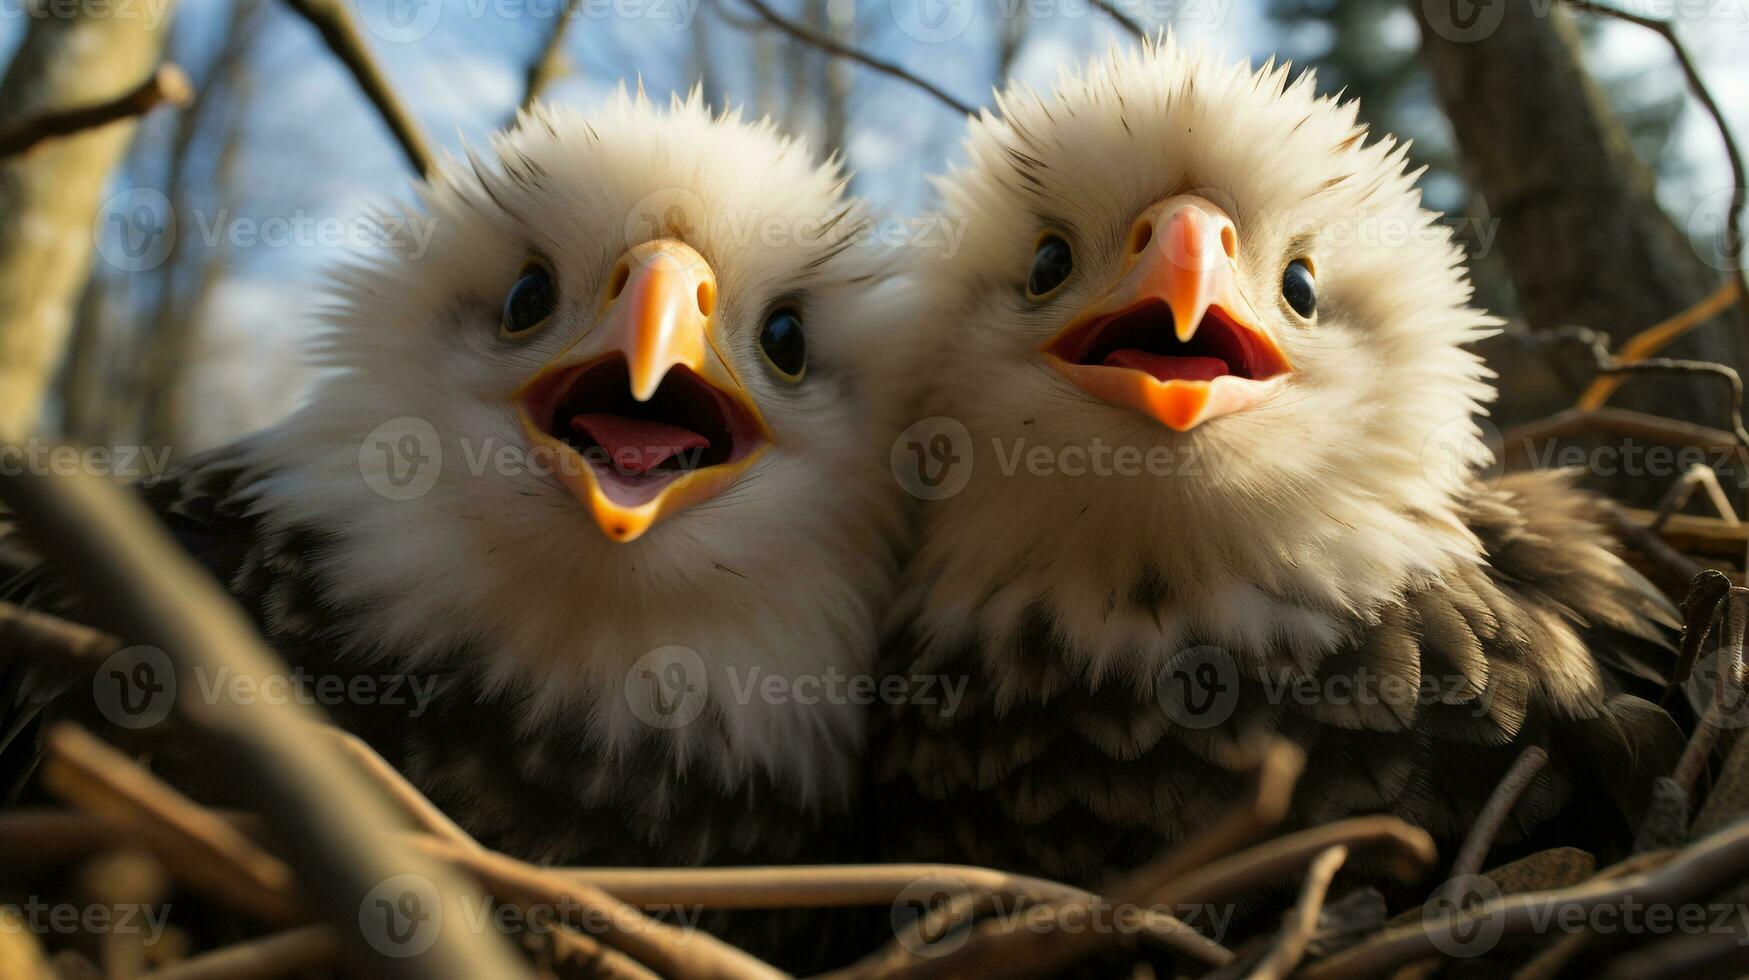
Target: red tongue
[[1165, 368], [635, 446]]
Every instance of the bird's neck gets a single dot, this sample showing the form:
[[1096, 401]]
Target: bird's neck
[[1127, 572]]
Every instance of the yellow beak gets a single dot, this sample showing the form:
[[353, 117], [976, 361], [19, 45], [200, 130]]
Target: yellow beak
[[643, 416]]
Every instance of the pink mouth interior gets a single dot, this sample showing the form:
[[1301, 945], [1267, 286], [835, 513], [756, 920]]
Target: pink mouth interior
[[636, 446], [1144, 339], [1166, 368]]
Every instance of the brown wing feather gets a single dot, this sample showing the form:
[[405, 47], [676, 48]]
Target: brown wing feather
[[1553, 641]]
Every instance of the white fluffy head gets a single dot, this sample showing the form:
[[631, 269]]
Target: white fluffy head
[[781, 574], [1271, 524]]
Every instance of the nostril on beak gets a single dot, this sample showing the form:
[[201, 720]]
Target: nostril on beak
[[617, 284], [707, 297], [1229, 240], [1141, 235]]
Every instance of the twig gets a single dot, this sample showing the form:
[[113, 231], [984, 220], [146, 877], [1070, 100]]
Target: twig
[[585, 957], [1697, 85], [52, 640], [166, 85], [281, 954], [836, 48], [1682, 490], [1597, 345], [1717, 862], [202, 848], [424, 814], [1548, 963], [993, 950], [1409, 849], [550, 64], [1727, 682], [332, 826], [1290, 942], [1122, 19], [33, 837], [332, 20], [1618, 421], [1493, 816], [669, 950], [1655, 338], [1672, 564]]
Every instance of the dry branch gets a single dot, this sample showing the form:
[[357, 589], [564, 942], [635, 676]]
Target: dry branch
[[1617, 422], [210, 853], [1655, 338], [280, 954], [1727, 683], [422, 812], [838, 49], [1698, 86], [671, 951], [333, 20], [550, 64], [52, 640], [1494, 813], [333, 827], [995, 948], [165, 86], [1122, 19], [1290, 945], [1704, 868]]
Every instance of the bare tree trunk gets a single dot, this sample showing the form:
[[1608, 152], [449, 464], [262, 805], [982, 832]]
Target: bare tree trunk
[[50, 196], [220, 114], [1585, 239]]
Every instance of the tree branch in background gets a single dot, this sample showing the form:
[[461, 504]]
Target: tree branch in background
[[331, 19], [1697, 85], [1122, 19], [550, 64], [833, 47], [167, 85], [1654, 338]]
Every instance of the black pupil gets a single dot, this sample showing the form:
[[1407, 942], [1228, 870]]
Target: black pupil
[[783, 342], [1050, 266], [530, 301], [1298, 288]]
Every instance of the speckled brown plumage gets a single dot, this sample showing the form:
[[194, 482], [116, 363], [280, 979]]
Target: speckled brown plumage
[[1076, 777]]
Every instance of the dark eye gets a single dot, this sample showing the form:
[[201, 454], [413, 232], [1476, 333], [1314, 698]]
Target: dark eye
[[783, 343], [1299, 288], [530, 303], [1050, 266]]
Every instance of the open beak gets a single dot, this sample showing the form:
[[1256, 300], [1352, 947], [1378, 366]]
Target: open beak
[[1175, 340], [642, 415]]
